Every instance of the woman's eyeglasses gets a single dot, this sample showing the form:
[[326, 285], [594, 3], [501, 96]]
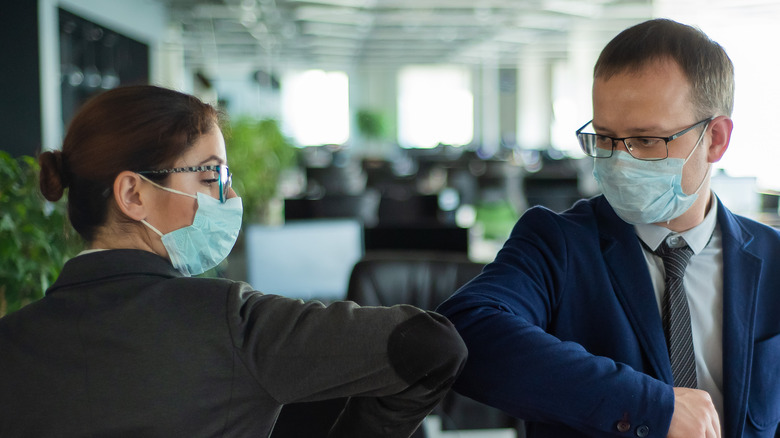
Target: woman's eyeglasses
[[222, 174]]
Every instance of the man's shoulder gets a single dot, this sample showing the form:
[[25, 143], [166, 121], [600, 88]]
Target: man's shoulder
[[585, 225], [585, 212], [750, 228]]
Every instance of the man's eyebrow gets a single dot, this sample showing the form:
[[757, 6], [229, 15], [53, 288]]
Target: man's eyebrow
[[652, 130], [597, 127]]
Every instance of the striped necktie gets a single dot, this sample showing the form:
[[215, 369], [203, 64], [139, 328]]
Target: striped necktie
[[676, 315]]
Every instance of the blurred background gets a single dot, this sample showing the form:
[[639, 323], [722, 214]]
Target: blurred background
[[431, 124]]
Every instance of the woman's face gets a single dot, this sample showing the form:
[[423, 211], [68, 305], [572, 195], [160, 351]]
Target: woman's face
[[171, 211]]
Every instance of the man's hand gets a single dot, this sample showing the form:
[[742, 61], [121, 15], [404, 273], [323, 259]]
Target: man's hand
[[694, 415]]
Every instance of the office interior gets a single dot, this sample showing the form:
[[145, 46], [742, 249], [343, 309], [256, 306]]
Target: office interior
[[434, 126]]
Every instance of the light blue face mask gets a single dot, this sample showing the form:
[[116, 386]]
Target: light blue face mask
[[645, 192], [203, 245]]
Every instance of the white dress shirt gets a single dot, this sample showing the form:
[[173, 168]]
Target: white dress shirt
[[703, 282]]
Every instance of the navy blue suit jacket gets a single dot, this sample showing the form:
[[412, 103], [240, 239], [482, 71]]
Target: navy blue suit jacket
[[563, 328]]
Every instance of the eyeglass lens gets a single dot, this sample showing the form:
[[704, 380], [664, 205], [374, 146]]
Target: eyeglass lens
[[225, 181], [643, 148]]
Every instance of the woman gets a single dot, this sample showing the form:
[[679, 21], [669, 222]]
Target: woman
[[126, 343]]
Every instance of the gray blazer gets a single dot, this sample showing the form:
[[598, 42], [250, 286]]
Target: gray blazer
[[123, 345]]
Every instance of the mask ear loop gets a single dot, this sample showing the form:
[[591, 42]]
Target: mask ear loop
[[143, 221], [709, 165], [701, 136], [166, 188]]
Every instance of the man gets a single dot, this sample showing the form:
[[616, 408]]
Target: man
[[568, 328]]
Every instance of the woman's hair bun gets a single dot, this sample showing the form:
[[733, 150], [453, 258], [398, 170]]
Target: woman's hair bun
[[54, 175]]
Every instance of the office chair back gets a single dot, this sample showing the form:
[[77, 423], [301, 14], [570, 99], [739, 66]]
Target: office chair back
[[425, 280]]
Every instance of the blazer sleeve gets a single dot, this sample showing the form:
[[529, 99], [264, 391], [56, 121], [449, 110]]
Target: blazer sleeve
[[506, 316], [397, 362]]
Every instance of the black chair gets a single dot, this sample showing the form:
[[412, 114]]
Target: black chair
[[421, 278], [414, 209], [413, 238], [362, 206], [425, 280]]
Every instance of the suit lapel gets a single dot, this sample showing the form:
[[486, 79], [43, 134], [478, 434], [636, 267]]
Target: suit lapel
[[742, 270], [628, 270]]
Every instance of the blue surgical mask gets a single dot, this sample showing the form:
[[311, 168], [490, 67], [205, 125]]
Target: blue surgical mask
[[196, 248], [645, 192]]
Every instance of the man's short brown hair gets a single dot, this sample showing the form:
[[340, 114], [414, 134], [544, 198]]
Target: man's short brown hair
[[703, 61]]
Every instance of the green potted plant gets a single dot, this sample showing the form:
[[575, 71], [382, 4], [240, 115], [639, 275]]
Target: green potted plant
[[258, 153], [35, 236], [370, 124]]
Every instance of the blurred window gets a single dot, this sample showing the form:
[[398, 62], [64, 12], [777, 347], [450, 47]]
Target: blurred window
[[435, 105], [315, 107]]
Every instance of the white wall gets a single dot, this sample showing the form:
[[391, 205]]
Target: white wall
[[245, 96]]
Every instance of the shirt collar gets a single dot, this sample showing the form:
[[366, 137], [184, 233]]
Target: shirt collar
[[90, 251], [696, 238]]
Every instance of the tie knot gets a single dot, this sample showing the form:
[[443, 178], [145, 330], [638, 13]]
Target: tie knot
[[675, 259]]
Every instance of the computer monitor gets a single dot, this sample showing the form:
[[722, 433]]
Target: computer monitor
[[306, 259]]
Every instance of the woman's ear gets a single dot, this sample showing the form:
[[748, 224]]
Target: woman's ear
[[129, 196], [720, 134]]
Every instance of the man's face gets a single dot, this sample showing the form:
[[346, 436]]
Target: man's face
[[654, 101]]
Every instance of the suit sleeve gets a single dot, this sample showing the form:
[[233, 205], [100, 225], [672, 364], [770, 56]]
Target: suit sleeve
[[396, 362], [506, 316]]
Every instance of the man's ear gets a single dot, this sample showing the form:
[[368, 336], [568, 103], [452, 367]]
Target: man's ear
[[720, 133], [128, 195]]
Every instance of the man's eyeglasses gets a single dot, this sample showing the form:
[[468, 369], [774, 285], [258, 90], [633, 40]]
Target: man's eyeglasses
[[222, 174], [641, 148]]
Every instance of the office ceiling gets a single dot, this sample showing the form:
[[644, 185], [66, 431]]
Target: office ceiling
[[344, 34]]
